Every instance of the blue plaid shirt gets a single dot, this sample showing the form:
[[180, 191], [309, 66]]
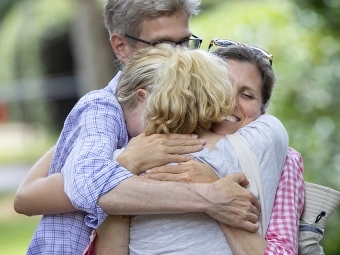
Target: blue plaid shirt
[[94, 129]]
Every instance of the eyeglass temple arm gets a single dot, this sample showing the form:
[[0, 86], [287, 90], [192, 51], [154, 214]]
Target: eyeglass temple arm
[[210, 45], [138, 39]]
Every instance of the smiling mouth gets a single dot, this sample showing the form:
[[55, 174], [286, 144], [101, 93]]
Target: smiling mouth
[[232, 118]]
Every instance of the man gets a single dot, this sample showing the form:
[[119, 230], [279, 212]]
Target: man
[[95, 128]]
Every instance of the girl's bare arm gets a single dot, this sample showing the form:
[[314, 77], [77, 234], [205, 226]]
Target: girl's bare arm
[[42, 194]]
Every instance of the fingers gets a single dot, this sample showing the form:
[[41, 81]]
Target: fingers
[[172, 169], [255, 203], [177, 140], [239, 178], [251, 227], [173, 173], [237, 206], [173, 148], [188, 172], [237, 217], [256, 212], [172, 155], [145, 152], [179, 136], [253, 217], [164, 173], [183, 149], [170, 139]]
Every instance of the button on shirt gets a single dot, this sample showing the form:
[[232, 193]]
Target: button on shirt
[[94, 129]]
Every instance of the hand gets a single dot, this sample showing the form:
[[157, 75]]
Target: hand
[[146, 152], [232, 204], [191, 171]]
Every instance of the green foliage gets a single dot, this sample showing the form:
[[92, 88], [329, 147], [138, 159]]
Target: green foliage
[[16, 234], [6, 6], [21, 30], [16, 230], [327, 10]]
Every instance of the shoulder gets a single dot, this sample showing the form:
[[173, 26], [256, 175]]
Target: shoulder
[[267, 122], [98, 110], [294, 161], [294, 154], [105, 96], [99, 97], [97, 102], [266, 128], [268, 138]]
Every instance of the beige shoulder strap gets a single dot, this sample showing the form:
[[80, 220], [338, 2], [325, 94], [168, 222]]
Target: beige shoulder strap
[[251, 168]]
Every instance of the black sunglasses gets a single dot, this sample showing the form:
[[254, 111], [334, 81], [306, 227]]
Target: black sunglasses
[[226, 43], [191, 43]]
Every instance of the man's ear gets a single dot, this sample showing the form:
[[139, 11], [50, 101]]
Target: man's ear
[[142, 94], [120, 47]]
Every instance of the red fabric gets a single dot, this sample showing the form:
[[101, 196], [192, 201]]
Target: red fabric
[[90, 248]]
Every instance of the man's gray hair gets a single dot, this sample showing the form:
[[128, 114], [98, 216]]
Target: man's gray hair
[[126, 16]]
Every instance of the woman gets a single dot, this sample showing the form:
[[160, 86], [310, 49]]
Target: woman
[[282, 233], [212, 141]]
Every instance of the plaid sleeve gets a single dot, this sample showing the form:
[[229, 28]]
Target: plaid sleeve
[[282, 233], [89, 171]]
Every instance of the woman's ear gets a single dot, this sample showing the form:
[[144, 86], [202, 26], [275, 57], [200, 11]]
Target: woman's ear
[[120, 47], [142, 94]]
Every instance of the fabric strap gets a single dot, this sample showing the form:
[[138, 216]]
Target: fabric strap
[[251, 168]]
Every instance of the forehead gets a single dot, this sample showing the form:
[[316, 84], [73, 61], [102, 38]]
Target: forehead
[[244, 74], [173, 27]]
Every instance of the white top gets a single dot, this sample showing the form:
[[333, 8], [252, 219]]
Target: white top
[[197, 233]]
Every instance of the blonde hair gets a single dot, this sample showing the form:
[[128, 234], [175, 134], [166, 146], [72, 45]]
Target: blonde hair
[[189, 90]]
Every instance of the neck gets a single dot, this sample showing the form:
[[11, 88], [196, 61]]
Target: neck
[[211, 139]]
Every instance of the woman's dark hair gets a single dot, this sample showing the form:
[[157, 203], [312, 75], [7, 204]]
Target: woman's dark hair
[[244, 54]]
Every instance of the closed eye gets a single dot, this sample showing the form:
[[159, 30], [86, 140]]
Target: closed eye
[[247, 96]]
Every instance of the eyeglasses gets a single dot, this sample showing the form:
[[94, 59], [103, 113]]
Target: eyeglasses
[[256, 50], [191, 43]]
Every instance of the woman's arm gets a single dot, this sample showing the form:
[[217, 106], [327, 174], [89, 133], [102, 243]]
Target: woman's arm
[[243, 242], [38, 186], [113, 236]]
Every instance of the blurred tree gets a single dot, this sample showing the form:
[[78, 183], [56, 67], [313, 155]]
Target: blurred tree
[[322, 86], [5, 6], [66, 40], [92, 51], [329, 10]]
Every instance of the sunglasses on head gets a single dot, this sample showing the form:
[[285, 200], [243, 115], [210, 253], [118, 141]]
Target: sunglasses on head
[[256, 50]]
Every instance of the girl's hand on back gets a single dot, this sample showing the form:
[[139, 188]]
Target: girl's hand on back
[[191, 171], [146, 152]]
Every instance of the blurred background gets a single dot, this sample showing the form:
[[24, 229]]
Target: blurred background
[[54, 51]]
